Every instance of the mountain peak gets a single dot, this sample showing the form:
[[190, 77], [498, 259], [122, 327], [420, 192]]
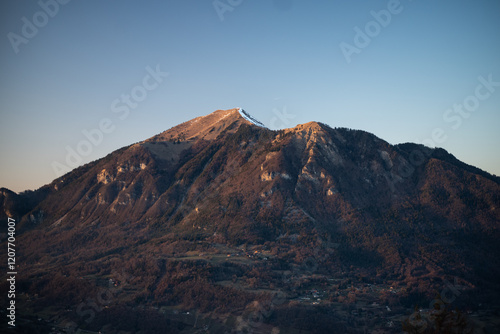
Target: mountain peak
[[310, 126], [173, 209], [208, 127], [308, 130], [249, 118]]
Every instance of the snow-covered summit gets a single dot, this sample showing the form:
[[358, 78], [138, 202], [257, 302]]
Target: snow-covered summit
[[249, 118], [207, 127]]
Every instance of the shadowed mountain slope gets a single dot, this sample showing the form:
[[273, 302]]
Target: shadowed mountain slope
[[346, 201]]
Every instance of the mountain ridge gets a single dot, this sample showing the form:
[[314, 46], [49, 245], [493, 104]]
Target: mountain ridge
[[205, 127], [343, 204]]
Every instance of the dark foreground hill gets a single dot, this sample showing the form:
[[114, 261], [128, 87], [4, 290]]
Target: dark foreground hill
[[220, 225]]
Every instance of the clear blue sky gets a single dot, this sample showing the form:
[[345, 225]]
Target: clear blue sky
[[272, 58]]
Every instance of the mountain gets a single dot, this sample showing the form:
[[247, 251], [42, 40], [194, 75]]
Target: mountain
[[220, 221]]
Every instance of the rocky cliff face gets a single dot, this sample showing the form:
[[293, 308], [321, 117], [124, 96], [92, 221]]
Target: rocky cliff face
[[346, 200]]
